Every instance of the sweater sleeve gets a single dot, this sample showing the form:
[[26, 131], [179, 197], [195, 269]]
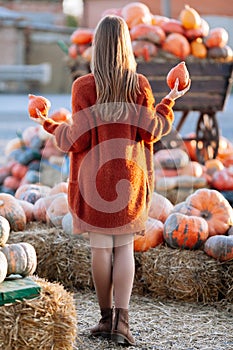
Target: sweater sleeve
[[155, 120]]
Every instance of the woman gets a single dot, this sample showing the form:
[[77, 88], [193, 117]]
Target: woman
[[110, 141]]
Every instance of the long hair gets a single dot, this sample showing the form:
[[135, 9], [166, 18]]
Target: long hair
[[114, 68]]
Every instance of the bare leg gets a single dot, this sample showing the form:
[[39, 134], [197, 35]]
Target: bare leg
[[123, 270], [101, 263]]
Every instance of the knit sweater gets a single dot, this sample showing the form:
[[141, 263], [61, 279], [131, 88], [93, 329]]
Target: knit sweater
[[111, 163]]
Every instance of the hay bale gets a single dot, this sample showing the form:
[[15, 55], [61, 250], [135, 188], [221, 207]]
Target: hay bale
[[61, 257], [44, 323], [182, 275]]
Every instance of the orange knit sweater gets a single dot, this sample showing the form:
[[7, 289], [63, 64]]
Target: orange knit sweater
[[111, 163]]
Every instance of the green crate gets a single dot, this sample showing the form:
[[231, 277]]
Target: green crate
[[16, 288]]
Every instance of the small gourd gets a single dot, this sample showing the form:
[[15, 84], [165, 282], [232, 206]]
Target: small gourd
[[190, 18]]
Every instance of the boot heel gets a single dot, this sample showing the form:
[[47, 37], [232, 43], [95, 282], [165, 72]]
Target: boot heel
[[118, 339]]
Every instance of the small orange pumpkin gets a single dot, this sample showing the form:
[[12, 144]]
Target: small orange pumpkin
[[219, 247], [160, 207], [40, 103], [181, 72], [185, 232], [135, 13], [60, 115], [154, 34], [152, 237], [82, 36], [218, 37], [177, 44]]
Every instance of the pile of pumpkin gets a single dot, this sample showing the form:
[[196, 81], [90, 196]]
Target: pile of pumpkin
[[178, 172], [155, 35], [26, 153], [16, 258]]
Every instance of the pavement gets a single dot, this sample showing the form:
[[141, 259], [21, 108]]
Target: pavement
[[14, 116]]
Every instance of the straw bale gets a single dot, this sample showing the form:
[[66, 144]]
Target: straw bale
[[44, 323], [182, 275], [161, 272], [61, 257]]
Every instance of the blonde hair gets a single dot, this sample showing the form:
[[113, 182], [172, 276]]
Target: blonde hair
[[114, 68]]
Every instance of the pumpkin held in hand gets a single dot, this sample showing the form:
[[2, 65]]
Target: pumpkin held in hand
[[181, 72], [40, 103]]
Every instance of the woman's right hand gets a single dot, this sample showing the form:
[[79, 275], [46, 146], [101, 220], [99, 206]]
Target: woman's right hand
[[174, 94]]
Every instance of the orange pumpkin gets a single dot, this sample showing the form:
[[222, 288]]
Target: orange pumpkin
[[12, 211], [41, 206], [177, 45], [4, 230], [21, 258], [60, 115], [57, 210], [222, 180], [154, 34], [135, 13], [218, 37], [40, 103], [59, 187], [190, 18], [144, 49], [210, 205], [172, 26], [185, 232], [82, 36], [219, 247], [181, 72], [152, 237], [28, 209], [11, 182], [160, 207], [19, 170]]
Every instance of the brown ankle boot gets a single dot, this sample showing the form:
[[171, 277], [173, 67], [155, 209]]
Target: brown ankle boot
[[104, 327], [121, 333]]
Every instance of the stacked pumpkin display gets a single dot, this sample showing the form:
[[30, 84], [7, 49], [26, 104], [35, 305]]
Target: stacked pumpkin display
[[203, 221], [17, 258], [153, 35], [30, 149]]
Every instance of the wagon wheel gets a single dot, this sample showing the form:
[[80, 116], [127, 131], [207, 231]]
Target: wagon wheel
[[171, 140], [207, 137]]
